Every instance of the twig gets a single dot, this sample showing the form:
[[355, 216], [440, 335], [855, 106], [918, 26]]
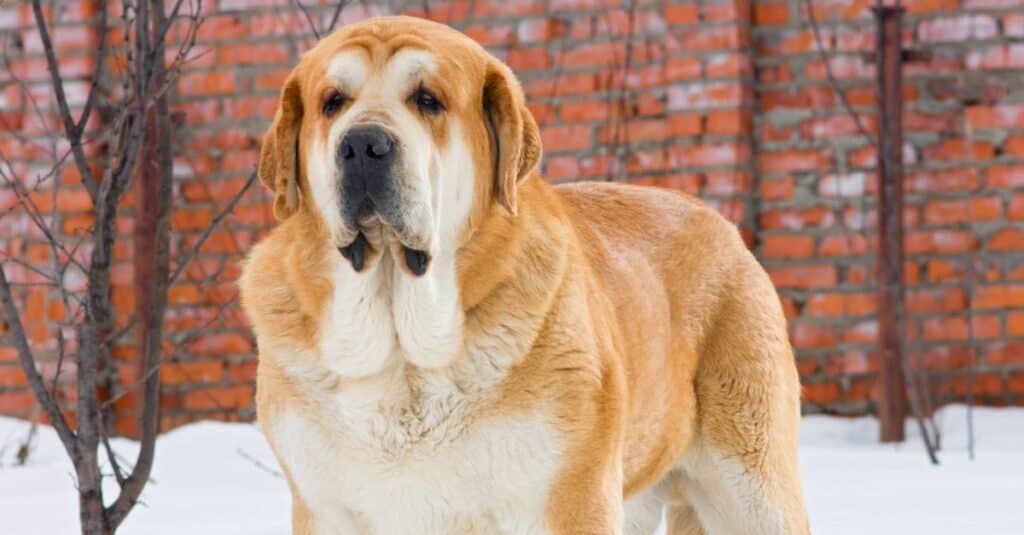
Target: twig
[[74, 135], [258, 464], [183, 263], [831, 76], [28, 364]]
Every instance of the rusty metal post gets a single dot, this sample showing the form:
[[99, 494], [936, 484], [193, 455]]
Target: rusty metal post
[[892, 402]]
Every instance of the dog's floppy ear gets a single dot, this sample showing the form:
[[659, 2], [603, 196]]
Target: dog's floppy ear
[[278, 168], [515, 133]]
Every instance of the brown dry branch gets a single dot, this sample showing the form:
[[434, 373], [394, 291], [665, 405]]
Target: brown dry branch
[[134, 146]]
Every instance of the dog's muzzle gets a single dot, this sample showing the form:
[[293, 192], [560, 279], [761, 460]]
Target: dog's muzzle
[[367, 157]]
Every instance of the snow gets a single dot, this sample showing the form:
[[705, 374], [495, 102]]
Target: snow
[[221, 478]]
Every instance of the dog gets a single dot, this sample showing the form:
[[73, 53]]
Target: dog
[[450, 345]]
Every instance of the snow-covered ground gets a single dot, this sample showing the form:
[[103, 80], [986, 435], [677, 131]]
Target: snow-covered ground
[[220, 478]]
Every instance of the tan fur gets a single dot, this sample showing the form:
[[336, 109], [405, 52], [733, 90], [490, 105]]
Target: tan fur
[[649, 336]]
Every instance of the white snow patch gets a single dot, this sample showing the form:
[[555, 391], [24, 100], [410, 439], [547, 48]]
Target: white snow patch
[[206, 480]]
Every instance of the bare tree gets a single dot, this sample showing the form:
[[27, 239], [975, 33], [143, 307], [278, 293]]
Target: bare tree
[[133, 142]]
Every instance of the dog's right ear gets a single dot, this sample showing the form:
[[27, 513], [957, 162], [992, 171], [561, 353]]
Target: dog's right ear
[[278, 169]]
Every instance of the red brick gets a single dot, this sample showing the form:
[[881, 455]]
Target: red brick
[[593, 54], [845, 244], [961, 211], [686, 124], [568, 137], [17, 403], [589, 110], [1015, 323], [999, 296], [725, 37], [565, 84], [775, 190], [252, 53], [1005, 353], [726, 65], [927, 6], [787, 246], [771, 13], [1014, 146], [936, 300], [836, 126], [812, 276], [207, 83], [957, 28], [217, 345], [687, 68], [635, 130], [794, 160], [727, 122], [1005, 176], [810, 335], [960, 150], [532, 59], [947, 180], [178, 373], [682, 14], [841, 304], [703, 155], [220, 27], [1016, 211], [12, 377], [1007, 239], [817, 216], [540, 30], [715, 94], [231, 397], [940, 241], [995, 117], [820, 393]]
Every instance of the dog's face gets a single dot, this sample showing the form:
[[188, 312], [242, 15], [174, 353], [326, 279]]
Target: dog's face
[[398, 134]]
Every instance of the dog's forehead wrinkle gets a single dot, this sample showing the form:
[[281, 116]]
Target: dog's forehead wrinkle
[[411, 64], [348, 68]]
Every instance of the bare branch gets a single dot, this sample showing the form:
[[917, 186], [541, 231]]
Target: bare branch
[[309, 18], [28, 364], [255, 462], [832, 78], [72, 131], [183, 263], [97, 75], [336, 15]]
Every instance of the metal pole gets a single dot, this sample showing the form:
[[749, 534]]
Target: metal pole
[[892, 402]]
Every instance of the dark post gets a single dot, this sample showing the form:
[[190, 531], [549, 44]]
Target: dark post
[[892, 402]]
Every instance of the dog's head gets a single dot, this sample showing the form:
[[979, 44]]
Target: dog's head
[[397, 134]]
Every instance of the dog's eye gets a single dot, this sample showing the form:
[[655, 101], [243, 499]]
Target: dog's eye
[[427, 102], [334, 101]]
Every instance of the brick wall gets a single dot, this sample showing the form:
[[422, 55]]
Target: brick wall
[[727, 100]]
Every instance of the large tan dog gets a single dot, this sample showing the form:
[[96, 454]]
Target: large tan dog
[[449, 345]]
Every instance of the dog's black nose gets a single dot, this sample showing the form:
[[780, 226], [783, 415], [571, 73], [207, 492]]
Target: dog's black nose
[[367, 145]]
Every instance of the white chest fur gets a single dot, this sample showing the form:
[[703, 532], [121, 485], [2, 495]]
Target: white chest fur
[[425, 464]]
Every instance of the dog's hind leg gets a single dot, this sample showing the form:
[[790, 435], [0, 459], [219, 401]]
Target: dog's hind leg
[[743, 476]]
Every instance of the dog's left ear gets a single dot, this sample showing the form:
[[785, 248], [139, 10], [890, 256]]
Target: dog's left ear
[[515, 132]]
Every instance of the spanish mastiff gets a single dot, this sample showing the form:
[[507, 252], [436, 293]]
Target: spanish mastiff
[[450, 345]]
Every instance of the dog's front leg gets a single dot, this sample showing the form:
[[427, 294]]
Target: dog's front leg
[[587, 501]]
